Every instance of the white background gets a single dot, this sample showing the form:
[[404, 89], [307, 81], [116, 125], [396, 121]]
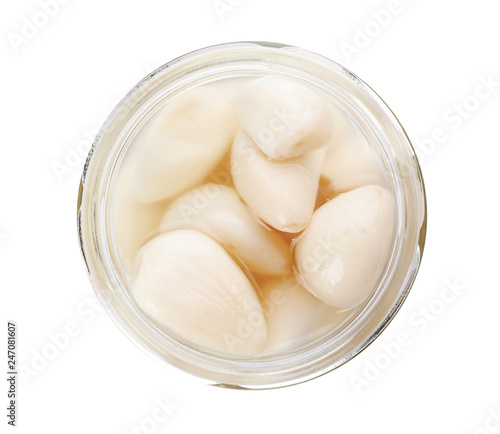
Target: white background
[[60, 80]]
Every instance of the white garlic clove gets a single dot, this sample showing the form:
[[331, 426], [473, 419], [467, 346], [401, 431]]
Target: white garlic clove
[[191, 286], [282, 193], [294, 316], [182, 143], [132, 222], [350, 165], [283, 117], [341, 255], [344, 129], [218, 211]]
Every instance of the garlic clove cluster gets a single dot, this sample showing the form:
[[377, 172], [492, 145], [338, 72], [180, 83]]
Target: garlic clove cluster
[[270, 215]]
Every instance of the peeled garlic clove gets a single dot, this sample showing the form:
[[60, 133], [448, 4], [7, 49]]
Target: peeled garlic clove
[[189, 284], [218, 211], [283, 117], [341, 255], [182, 143], [350, 165], [344, 129], [132, 221], [294, 316], [282, 193]]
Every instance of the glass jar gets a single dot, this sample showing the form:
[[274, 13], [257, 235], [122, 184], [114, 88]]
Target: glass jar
[[363, 106]]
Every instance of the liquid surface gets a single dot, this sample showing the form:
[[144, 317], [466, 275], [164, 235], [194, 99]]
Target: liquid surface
[[251, 216]]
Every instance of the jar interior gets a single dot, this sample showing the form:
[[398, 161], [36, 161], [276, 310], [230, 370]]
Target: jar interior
[[133, 224]]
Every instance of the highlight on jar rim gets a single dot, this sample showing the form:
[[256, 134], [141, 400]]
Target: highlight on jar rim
[[252, 213]]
